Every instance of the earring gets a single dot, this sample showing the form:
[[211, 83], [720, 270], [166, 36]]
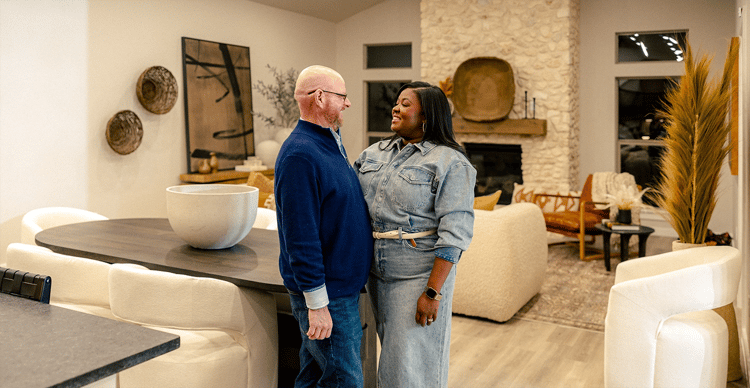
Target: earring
[[423, 126]]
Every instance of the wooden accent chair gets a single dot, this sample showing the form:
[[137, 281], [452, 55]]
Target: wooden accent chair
[[579, 218]]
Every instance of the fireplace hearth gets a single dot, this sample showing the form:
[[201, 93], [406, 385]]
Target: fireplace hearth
[[498, 168]]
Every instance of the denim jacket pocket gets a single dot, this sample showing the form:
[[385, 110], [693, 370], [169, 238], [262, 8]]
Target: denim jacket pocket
[[365, 178], [414, 190]]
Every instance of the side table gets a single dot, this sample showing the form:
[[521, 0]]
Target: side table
[[642, 232]]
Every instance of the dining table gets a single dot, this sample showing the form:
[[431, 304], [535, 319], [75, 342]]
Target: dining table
[[152, 243], [43, 345]]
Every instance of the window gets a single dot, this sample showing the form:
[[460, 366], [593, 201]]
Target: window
[[381, 97], [387, 63], [650, 46], [388, 56], [640, 128]]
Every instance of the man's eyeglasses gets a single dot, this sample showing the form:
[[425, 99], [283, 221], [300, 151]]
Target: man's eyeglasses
[[323, 90]]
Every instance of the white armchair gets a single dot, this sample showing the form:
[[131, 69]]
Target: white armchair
[[228, 334], [660, 330], [77, 283], [507, 255], [266, 219], [37, 220]]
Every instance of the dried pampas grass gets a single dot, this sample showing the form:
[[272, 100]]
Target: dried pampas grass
[[695, 147]]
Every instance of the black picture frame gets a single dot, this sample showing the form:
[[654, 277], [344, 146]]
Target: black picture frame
[[218, 102]]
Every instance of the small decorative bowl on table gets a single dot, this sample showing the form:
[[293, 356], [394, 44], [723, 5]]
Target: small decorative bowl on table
[[212, 216]]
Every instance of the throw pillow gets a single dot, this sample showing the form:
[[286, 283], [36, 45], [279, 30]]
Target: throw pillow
[[265, 188], [487, 202], [521, 193]]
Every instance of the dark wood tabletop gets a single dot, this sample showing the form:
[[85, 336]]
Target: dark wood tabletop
[[44, 346], [151, 242]]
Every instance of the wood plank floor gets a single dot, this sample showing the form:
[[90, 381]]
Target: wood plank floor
[[526, 354]]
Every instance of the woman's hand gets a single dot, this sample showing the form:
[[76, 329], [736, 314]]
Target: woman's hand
[[427, 310]]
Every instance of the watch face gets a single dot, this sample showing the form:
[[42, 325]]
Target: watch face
[[432, 293]]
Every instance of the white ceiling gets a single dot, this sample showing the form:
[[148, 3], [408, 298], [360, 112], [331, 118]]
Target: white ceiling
[[331, 10]]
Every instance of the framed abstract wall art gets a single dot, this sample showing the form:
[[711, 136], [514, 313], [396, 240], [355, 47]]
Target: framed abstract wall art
[[218, 102]]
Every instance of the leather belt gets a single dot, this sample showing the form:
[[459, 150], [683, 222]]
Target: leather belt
[[398, 234]]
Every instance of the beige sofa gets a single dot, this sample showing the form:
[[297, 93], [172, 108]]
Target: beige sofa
[[505, 264]]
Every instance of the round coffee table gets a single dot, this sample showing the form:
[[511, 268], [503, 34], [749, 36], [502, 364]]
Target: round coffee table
[[642, 232]]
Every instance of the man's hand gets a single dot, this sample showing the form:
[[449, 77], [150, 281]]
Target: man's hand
[[320, 323]]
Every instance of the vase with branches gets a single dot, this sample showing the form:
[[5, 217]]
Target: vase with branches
[[695, 146], [625, 200], [280, 93]]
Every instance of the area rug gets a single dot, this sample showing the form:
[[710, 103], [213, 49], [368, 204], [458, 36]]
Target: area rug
[[575, 293]]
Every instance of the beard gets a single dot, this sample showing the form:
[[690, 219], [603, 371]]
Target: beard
[[334, 119]]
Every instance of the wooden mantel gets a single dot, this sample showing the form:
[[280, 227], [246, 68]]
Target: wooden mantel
[[533, 127]]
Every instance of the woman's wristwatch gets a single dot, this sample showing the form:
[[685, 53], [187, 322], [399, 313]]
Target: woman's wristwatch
[[432, 293]]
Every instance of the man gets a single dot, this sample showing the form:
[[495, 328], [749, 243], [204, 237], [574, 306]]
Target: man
[[324, 232]]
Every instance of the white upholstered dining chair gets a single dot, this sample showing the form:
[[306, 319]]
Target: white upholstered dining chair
[[37, 220], [77, 283], [265, 219], [660, 329], [228, 334]]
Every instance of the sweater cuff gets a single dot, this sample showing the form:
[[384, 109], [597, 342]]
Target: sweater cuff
[[451, 254], [317, 298]]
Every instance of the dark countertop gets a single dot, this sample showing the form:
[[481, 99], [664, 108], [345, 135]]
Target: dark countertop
[[43, 345]]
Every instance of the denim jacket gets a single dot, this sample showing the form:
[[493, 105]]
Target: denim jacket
[[418, 187]]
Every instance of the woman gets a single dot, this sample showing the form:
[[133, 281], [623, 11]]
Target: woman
[[419, 188]]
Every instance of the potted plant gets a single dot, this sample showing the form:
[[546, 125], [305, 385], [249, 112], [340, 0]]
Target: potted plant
[[280, 93], [624, 201], [694, 149]]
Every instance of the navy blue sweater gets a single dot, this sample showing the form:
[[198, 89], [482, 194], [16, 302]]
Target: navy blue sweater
[[324, 226]]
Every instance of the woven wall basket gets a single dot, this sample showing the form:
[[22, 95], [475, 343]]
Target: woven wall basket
[[157, 90], [124, 132]]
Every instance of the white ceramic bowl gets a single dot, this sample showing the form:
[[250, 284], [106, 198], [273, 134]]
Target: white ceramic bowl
[[212, 216]]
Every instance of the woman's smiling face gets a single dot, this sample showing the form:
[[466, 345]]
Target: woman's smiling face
[[407, 117]]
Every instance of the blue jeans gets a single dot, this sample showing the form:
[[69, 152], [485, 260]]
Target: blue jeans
[[334, 361], [412, 356]]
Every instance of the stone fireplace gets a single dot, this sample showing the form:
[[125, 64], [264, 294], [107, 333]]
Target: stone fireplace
[[539, 39]]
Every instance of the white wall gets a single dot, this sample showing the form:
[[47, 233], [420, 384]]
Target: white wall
[[392, 21], [68, 67], [742, 238], [44, 152], [711, 24]]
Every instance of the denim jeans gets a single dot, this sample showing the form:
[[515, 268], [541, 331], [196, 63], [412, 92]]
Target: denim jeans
[[412, 356], [334, 361]]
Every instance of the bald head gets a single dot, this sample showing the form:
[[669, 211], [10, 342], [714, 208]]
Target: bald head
[[320, 108], [313, 78]]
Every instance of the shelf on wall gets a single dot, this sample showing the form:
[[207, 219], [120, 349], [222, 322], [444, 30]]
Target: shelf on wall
[[226, 176], [532, 127]]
